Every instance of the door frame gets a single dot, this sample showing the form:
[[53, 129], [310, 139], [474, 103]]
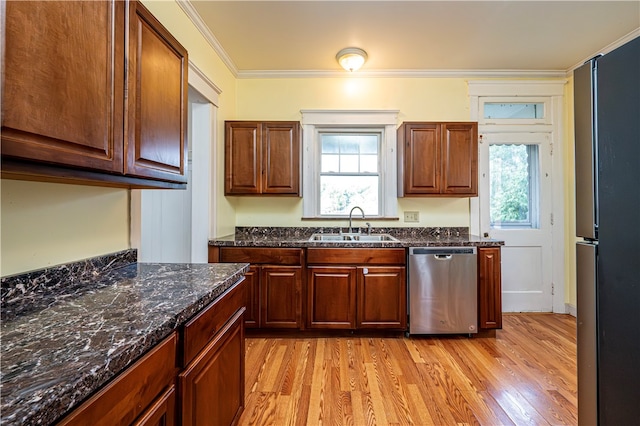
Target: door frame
[[517, 89]]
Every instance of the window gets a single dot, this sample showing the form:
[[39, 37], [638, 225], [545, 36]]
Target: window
[[349, 159], [526, 110], [349, 172], [514, 110], [513, 186]]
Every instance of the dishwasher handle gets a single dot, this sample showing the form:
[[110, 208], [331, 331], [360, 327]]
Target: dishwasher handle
[[443, 256]]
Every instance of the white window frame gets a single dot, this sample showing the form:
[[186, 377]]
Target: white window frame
[[316, 121]]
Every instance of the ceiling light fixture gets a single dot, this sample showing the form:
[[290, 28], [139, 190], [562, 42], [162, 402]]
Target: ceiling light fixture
[[351, 58]]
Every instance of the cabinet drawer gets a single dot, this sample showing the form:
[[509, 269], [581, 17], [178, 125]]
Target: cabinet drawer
[[124, 399], [255, 255], [204, 326], [350, 256]]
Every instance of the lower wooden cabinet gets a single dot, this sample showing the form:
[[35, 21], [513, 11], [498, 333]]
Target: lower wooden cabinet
[[331, 297], [489, 288], [382, 297], [144, 394], [193, 377], [280, 301], [212, 385], [162, 412], [356, 289], [252, 297], [274, 284]]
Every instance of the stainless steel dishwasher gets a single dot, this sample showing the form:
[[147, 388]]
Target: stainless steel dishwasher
[[443, 288]]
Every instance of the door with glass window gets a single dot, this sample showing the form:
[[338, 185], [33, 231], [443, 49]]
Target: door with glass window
[[515, 206]]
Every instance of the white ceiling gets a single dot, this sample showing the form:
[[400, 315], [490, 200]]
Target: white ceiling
[[477, 37]]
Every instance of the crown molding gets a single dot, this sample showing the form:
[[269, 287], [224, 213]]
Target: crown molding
[[405, 74], [197, 20]]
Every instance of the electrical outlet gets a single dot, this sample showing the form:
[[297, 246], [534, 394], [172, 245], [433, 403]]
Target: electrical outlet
[[411, 216]]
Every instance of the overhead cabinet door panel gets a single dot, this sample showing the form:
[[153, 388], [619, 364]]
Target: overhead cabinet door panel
[[243, 148], [157, 100], [460, 159], [66, 107], [281, 158], [424, 146]]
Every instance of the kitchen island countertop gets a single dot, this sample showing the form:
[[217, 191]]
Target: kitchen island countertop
[[56, 356]]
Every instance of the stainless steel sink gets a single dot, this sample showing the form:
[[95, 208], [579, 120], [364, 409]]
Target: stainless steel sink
[[352, 238]]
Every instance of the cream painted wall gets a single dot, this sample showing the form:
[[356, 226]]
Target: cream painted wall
[[46, 224], [417, 99]]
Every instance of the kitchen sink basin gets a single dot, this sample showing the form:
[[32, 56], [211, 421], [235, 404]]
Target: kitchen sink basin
[[352, 238]]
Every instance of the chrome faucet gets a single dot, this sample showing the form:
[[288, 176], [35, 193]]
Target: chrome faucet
[[351, 214]]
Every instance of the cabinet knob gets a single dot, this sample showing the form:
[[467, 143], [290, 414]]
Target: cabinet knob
[[365, 271]]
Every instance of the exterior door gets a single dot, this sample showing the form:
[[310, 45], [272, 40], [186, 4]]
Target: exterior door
[[515, 206]]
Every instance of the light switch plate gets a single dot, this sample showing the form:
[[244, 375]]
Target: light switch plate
[[411, 216]]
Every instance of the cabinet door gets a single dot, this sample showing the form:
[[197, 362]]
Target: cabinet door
[[134, 393], [281, 158], [252, 298], [422, 167], [460, 159], [213, 384], [382, 297], [331, 297], [157, 100], [242, 154], [280, 293], [63, 88], [489, 288], [162, 412]]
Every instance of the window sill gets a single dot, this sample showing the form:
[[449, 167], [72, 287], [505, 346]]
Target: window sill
[[355, 217]]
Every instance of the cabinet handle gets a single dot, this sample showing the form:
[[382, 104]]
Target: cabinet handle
[[365, 271]]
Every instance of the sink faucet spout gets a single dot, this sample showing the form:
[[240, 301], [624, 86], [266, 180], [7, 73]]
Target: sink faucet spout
[[351, 216]]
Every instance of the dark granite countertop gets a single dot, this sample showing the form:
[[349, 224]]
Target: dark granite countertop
[[299, 237], [56, 356]]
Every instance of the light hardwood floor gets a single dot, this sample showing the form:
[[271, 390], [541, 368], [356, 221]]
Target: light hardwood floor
[[526, 375]]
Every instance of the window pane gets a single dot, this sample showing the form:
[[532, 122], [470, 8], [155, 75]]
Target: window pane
[[513, 185], [349, 145], [330, 163], [369, 163], [349, 163], [339, 194], [513, 110], [369, 144], [329, 144]]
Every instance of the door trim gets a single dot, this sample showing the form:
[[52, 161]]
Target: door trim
[[536, 89]]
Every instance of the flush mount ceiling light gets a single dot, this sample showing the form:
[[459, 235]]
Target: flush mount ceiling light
[[351, 58]]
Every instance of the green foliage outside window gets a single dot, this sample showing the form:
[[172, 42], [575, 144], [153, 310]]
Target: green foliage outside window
[[509, 184]]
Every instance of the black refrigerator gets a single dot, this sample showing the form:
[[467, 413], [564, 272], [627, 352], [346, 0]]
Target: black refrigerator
[[607, 138]]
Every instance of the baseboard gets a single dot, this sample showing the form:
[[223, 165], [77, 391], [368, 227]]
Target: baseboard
[[571, 309]]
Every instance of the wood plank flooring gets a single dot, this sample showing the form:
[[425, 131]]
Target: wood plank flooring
[[526, 375]]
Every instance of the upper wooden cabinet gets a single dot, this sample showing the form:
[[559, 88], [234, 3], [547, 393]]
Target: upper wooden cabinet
[[71, 110], [438, 159], [157, 100], [262, 158]]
